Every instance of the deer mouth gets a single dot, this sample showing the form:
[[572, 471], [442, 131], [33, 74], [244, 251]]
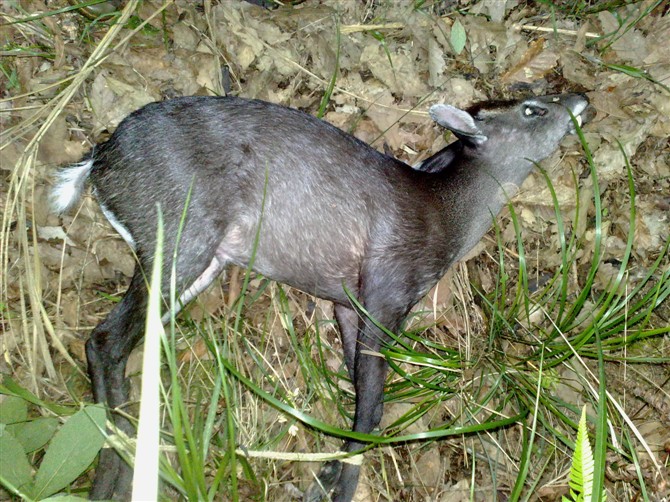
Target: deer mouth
[[583, 112]]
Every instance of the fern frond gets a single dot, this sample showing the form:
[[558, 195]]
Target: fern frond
[[581, 472]]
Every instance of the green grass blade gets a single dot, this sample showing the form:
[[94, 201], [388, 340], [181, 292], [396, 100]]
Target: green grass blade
[[333, 79], [145, 477], [528, 440], [600, 448]]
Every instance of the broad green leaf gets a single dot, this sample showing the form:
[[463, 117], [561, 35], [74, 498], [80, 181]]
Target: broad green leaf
[[15, 471], [11, 388], [64, 498], [458, 37], [13, 409], [71, 451], [35, 433]]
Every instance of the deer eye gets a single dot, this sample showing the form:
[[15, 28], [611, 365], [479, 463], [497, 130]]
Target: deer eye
[[536, 111]]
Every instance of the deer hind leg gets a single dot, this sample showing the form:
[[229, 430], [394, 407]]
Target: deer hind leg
[[110, 345], [107, 351], [347, 319]]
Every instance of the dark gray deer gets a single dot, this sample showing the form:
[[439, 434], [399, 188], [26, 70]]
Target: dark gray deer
[[336, 214]]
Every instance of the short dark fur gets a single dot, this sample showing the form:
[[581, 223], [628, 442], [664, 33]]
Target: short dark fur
[[336, 213]]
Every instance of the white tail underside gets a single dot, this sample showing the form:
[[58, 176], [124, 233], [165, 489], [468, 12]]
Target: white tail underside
[[69, 185]]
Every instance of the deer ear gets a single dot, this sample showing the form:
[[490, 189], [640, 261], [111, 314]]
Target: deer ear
[[458, 121]]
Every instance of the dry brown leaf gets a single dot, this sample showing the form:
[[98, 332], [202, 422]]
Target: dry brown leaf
[[534, 64], [399, 75], [492, 46], [112, 100], [630, 45]]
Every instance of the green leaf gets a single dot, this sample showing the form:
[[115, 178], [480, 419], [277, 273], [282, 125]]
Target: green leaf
[[12, 410], [581, 472], [458, 37], [71, 451], [35, 433], [64, 498], [11, 388], [15, 471]]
